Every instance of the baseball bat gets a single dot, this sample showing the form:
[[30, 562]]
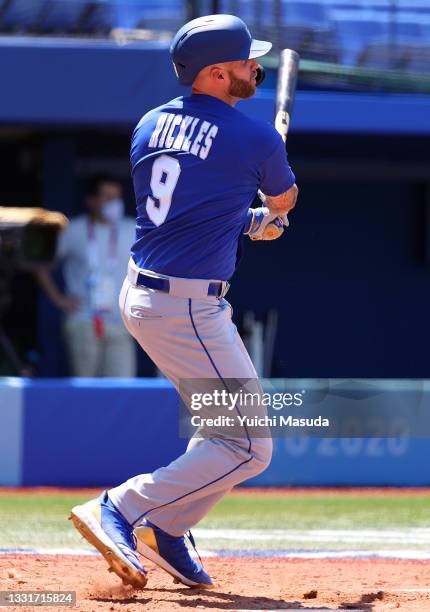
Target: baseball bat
[[285, 91]]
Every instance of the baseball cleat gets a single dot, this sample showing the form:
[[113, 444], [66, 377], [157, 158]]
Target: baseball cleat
[[171, 554], [104, 527]]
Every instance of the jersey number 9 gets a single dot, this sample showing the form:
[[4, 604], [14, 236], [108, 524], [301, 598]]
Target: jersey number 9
[[164, 176]]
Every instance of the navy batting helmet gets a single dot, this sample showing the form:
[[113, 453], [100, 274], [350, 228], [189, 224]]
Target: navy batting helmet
[[211, 40]]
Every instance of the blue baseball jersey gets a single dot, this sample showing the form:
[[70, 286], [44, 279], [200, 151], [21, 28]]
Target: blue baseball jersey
[[197, 164]]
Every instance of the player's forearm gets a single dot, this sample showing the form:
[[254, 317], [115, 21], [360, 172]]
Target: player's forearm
[[283, 203]]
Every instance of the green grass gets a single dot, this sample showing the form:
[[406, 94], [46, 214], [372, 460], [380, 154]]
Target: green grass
[[41, 520], [38, 521], [321, 512]]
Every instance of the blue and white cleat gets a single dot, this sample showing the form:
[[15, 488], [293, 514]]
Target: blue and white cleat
[[171, 554], [105, 528]]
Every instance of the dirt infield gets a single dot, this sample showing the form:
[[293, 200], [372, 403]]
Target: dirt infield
[[241, 584]]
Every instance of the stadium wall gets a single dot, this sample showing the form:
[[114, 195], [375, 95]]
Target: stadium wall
[[92, 432], [100, 83]]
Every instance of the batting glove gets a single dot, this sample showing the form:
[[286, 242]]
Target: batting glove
[[261, 224]]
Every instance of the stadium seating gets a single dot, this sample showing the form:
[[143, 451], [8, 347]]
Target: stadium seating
[[417, 6], [405, 56], [310, 42], [307, 13], [98, 18], [21, 15], [383, 56], [418, 59], [166, 15], [336, 30], [245, 9], [64, 17], [89, 16], [353, 32]]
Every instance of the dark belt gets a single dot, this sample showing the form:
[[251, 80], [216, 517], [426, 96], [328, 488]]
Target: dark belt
[[163, 284]]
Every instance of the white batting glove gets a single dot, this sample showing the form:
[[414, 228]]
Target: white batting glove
[[263, 225]]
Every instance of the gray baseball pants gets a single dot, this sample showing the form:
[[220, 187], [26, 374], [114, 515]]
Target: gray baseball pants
[[188, 338]]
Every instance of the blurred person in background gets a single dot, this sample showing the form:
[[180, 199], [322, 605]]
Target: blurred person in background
[[94, 251]]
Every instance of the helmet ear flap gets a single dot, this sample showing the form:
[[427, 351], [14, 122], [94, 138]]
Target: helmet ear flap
[[261, 74]]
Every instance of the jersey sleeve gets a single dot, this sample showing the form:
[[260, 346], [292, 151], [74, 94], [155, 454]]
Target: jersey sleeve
[[276, 175]]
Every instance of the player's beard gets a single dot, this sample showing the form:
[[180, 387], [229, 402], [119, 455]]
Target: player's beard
[[239, 88]]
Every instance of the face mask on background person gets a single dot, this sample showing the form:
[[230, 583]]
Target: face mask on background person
[[113, 211]]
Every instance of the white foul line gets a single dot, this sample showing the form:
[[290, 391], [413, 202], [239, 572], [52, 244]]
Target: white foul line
[[322, 554], [387, 536]]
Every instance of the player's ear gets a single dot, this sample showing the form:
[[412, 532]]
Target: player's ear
[[217, 73]]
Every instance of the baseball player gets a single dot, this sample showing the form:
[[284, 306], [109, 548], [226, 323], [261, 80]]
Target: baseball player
[[197, 165]]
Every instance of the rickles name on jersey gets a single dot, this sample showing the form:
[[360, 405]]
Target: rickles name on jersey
[[184, 133]]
